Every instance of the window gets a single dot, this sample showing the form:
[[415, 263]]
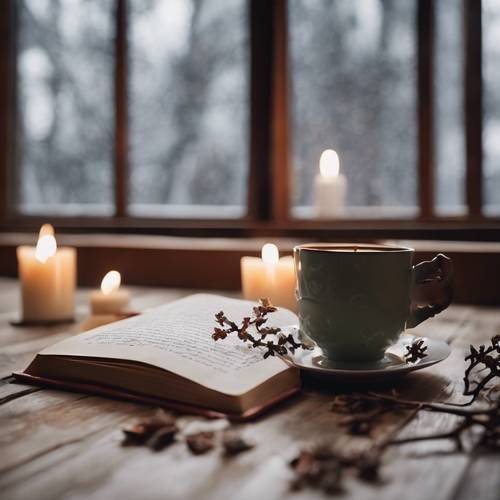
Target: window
[[449, 115], [188, 107], [209, 116], [491, 134], [353, 73], [65, 74], [186, 78]]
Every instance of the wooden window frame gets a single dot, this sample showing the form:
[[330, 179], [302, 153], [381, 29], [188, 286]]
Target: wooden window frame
[[270, 142]]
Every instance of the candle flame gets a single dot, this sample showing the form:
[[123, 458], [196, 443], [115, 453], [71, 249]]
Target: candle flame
[[270, 253], [46, 229], [46, 247], [329, 163], [111, 282]]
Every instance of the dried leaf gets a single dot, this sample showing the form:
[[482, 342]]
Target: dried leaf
[[162, 438], [234, 444], [415, 351], [142, 432], [200, 442], [368, 467], [135, 436], [317, 468]]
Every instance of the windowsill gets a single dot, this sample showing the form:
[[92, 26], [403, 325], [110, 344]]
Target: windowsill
[[450, 228], [151, 242], [149, 210], [187, 211], [253, 245], [360, 213], [214, 263]]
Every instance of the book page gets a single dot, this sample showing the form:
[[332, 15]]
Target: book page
[[178, 338]]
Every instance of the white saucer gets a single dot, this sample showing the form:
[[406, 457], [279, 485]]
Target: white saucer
[[393, 364]]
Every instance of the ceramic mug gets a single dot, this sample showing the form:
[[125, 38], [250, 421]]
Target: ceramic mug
[[355, 299]]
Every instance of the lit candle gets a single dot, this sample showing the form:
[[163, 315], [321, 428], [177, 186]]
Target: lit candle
[[270, 277], [110, 299], [329, 186], [48, 279]]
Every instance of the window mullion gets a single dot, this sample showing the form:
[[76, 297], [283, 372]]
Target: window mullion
[[121, 110], [261, 57], [281, 181], [473, 106], [425, 107], [7, 101]]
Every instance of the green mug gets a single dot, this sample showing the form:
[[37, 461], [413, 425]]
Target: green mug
[[356, 299]]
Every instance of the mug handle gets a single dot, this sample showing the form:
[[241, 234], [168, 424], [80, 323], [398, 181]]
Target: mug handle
[[440, 271]]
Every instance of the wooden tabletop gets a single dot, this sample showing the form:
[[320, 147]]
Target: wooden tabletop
[[56, 444]]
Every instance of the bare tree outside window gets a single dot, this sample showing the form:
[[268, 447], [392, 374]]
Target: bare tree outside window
[[353, 89], [189, 107], [65, 69]]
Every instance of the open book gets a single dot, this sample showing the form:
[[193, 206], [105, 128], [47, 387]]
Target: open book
[[167, 357]]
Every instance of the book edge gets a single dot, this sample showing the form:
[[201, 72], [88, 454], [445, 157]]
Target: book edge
[[248, 414]]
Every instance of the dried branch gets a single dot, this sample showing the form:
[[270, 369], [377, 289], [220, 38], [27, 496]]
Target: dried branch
[[362, 412], [484, 357], [280, 344]]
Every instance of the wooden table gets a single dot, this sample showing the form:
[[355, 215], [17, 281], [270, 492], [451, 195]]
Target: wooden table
[[56, 444]]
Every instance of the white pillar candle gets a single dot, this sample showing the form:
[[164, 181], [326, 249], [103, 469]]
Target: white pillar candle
[[269, 277], [48, 279], [329, 186], [110, 299]]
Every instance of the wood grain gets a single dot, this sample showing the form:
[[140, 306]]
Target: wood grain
[[57, 444]]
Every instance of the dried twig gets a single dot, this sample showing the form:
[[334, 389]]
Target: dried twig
[[483, 357], [362, 412], [279, 344]]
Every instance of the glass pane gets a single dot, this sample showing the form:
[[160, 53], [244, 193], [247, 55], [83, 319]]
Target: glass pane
[[189, 107], [65, 63], [354, 90], [450, 145], [491, 131]]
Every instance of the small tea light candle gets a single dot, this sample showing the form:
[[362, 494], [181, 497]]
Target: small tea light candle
[[270, 277], [110, 299], [48, 279], [109, 304], [329, 186]]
